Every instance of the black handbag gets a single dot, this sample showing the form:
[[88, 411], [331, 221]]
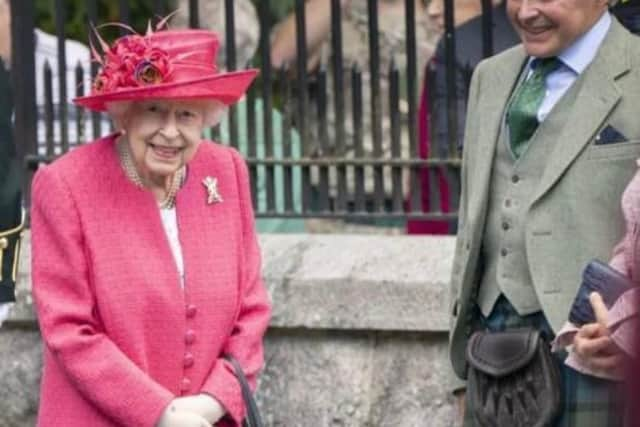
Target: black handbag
[[252, 419], [513, 380]]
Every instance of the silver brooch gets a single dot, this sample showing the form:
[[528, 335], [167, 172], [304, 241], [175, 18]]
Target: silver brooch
[[211, 184]]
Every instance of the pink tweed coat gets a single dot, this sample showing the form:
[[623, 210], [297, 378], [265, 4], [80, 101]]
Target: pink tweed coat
[[121, 337]]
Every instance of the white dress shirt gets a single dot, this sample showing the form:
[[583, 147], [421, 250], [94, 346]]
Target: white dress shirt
[[575, 59]]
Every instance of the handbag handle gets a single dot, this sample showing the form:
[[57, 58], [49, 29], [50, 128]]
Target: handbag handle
[[253, 418]]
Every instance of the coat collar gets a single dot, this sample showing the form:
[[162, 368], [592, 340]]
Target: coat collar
[[598, 96]]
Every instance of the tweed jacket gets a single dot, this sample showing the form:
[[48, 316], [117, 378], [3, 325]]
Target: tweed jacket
[[574, 214], [122, 339]]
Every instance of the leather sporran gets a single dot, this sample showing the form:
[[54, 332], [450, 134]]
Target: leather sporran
[[513, 380]]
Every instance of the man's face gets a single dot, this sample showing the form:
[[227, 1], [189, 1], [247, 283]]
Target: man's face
[[547, 27], [5, 31]]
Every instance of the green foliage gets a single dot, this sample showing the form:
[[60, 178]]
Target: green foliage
[[279, 8], [108, 11]]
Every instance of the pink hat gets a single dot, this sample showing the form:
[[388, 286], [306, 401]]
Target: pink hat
[[170, 64]]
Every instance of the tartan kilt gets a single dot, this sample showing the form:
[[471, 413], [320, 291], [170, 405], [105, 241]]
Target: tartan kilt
[[587, 401]]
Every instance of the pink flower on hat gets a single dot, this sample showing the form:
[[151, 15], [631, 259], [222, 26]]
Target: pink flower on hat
[[131, 62]]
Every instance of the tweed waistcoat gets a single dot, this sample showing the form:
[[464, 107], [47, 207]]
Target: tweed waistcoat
[[513, 184]]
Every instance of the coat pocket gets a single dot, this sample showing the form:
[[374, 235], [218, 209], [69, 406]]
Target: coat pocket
[[621, 150]]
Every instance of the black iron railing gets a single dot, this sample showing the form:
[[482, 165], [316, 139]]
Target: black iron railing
[[330, 165]]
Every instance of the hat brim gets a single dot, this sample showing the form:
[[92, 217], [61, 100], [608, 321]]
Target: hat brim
[[226, 88]]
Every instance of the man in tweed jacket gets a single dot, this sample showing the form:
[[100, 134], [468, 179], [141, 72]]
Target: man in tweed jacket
[[530, 220]]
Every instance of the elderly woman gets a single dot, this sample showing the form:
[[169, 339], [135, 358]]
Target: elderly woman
[[146, 267]]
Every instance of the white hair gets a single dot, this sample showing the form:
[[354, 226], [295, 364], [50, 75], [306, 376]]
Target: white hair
[[213, 110]]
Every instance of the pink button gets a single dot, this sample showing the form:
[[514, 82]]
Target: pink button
[[191, 311], [188, 360], [189, 337], [185, 385]]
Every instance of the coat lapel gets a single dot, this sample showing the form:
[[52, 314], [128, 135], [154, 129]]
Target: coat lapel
[[498, 92], [597, 97]]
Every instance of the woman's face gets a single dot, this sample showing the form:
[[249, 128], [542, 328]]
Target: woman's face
[[163, 136]]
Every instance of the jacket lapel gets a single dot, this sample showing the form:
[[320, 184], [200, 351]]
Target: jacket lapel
[[498, 92], [597, 97]]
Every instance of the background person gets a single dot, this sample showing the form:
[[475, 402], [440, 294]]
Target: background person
[[355, 52], [440, 187], [46, 52], [11, 217], [247, 26]]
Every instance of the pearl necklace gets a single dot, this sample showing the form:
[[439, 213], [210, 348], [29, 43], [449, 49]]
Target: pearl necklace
[[132, 173]]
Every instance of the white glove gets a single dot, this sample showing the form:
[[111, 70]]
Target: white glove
[[171, 417], [202, 404]]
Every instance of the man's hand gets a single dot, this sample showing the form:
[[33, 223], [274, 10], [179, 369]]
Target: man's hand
[[593, 343]]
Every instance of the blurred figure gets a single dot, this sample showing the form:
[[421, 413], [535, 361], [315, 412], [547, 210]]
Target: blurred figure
[[628, 12], [464, 11], [247, 33], [11, 217], [469, 52], [355, 51], [212, 16], [440, 187], [46, 52]]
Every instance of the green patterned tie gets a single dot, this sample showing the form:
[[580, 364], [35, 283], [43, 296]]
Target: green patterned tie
[[522, 115]]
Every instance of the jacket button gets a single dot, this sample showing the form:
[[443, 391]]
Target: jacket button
[[504, 252], [191, 311], [188, 360], [505, 226], [515, 179], [185, 385], [189, 337]]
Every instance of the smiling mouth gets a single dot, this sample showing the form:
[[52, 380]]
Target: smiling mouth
[[165, 152], [534, 31]]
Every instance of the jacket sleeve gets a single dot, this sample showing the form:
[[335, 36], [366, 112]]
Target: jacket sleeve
[[68, 315], [622, 252], [455, 382], [619, 258], [245, 342]]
